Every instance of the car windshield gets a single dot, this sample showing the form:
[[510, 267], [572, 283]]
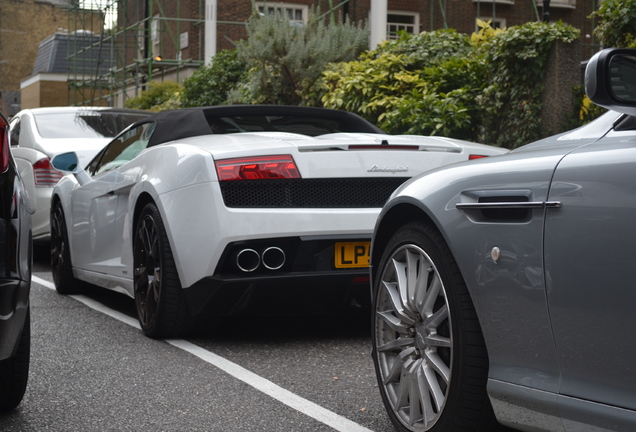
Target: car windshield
[[84, 123]]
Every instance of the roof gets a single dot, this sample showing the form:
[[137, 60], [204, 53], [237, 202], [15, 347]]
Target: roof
[[189, 122], [78, 52], [58, 2], [49, 110]]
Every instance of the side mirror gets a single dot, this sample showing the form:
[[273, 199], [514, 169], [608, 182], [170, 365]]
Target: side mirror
[[610, 79], [65, 162]]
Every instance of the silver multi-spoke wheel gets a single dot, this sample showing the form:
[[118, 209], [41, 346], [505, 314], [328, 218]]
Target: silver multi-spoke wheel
[[428, 350], [413, 337]]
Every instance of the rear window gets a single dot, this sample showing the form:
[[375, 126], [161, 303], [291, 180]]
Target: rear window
[[84, 123], [311, 126]]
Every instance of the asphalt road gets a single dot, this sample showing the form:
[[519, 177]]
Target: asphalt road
[[93, 370]]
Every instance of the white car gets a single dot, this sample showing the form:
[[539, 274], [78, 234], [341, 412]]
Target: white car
[[234, 210], [40, 133]]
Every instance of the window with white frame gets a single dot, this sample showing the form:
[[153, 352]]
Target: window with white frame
[[396, 22], [570, 4], [511, 2], [295, 12], [496, 23]]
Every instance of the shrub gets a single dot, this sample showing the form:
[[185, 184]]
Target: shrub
[[583, 109], [427, 48], [420, 84], [210, 85], [616, 25], [286, 60], [484, 88], [159, 96], [517, 59]]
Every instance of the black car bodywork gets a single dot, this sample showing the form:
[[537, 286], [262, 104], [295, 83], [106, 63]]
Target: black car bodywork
[[15, 278]]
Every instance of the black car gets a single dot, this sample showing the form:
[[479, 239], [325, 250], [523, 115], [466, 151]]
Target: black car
[[15, 278]]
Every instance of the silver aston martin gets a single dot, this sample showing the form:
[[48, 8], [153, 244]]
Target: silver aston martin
[[504, 290]]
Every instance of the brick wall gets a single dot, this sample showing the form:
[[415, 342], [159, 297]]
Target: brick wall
[[563, 71], [461, 14], [19, 37], [45, 93], [458, 14], [23, 25], [231, 15]]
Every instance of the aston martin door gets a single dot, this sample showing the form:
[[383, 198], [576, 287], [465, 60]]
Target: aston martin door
[[590, 262]]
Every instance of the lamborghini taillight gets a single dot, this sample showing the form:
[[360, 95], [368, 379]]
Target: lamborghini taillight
[[257, 168]]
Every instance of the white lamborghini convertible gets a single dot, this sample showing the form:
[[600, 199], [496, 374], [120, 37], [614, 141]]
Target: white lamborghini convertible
[[233, 210]]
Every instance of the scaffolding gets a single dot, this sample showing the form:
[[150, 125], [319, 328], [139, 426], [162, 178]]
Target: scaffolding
[[130, 44]]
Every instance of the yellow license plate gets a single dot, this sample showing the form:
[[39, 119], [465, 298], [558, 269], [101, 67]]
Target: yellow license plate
[[352, 254]]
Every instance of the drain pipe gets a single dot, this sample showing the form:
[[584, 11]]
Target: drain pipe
[[210, 31], [379, 10]]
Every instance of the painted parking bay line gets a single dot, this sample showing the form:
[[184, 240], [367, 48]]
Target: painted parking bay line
[[272, 390]]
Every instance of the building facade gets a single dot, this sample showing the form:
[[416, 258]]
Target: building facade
[[155, 40], [414, 16], [23, 25]]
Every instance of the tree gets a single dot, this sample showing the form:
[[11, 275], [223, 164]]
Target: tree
[[418, 84], [616, 23], [210, 85], [485, 88], [516, 77], [286, 59], [159, 96]]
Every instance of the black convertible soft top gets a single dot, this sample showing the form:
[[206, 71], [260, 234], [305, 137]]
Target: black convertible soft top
[[189, 122]]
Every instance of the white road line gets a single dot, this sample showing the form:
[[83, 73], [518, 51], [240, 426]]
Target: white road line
[[272, 390]]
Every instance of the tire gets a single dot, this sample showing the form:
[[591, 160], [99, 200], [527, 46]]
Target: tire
[[161, 305], [428, 350], [61, 266], [14, 371]]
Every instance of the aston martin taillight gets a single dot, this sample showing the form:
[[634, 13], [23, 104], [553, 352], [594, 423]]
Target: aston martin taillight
[[257, 168], [44, 173], [476, 156]]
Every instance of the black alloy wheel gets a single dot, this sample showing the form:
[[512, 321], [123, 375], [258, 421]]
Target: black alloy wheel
[[14, 371], [61, 267], [161, 305]]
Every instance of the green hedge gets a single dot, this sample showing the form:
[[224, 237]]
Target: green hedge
[[484, 88]]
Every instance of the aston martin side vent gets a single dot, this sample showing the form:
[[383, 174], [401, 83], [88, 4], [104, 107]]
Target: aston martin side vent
[[507, 211], [504, 208]]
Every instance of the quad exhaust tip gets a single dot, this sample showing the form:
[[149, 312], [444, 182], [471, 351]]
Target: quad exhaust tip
[[272, 258], [248, 260]]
